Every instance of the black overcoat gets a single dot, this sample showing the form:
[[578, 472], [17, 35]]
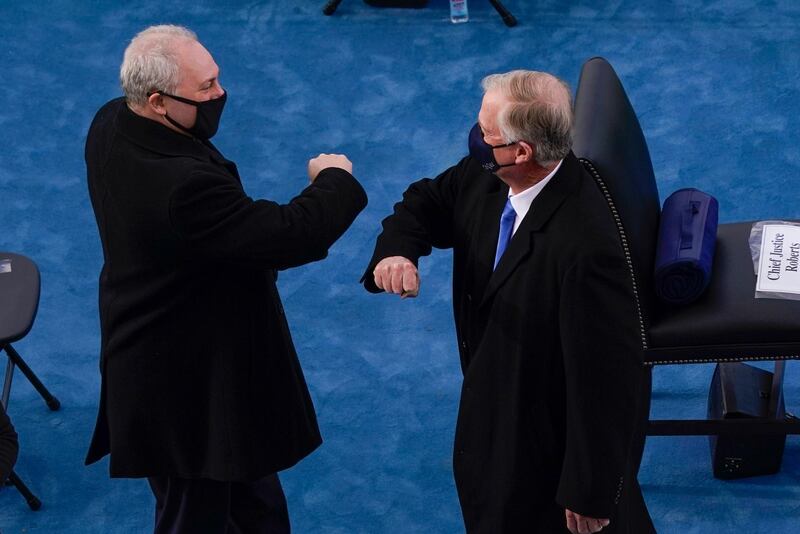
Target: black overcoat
[[199, 375], [554, 392]]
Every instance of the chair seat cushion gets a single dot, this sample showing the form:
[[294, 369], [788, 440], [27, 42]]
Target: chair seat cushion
[[727, 323], [19, 297]]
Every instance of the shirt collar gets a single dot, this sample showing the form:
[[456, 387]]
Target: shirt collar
[[522, 201]]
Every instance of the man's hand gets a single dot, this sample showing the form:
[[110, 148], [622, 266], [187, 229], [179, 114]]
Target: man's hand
[[580, 524], [398, 275], [324, 161]]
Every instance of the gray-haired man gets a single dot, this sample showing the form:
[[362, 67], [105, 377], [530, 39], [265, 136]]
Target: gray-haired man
[[202, 391], [548, 438]]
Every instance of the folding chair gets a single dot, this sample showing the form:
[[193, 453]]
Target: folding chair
[[19, 302], [727, 324]]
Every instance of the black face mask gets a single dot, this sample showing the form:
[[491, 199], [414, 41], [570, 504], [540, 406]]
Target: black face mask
[[208, 115], [483, 152]]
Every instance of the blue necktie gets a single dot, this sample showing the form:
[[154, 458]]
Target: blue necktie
[[506, 226]]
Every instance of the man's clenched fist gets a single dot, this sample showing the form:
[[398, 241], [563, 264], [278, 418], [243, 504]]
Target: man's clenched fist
[[581, 524], [324, 161], [398, 275]]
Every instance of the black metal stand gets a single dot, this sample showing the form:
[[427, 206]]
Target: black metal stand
[[330, 7], [15, 360], [33, 502], [505, 14]]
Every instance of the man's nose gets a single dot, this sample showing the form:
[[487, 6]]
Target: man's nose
[[218, 90]]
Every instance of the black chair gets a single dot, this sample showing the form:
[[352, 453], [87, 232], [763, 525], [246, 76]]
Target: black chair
[[19, 302], [727, 324]]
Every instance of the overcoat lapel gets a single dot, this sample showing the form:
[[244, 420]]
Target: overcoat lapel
[[542, 208]]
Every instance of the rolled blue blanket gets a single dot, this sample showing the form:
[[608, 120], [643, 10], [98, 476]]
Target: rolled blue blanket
[[687, 236]]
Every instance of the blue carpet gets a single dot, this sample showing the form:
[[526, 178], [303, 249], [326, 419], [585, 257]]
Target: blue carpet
[[715, 86]]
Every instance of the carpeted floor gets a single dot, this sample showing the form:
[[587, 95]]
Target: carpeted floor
[[715, 86]]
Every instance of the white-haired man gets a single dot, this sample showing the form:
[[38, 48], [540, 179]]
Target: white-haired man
[[548, 438], [202, 391]]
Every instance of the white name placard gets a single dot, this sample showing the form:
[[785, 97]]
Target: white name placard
[[779, 264]]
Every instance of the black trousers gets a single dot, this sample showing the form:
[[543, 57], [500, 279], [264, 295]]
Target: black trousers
[[202, 506]]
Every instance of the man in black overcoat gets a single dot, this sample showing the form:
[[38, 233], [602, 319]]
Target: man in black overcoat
[[202, 391], [549, 434]]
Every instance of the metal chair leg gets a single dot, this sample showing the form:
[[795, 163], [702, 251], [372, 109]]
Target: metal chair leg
[[504, 13], [33, 502], [52, 402], [331, 6], [7, 382]]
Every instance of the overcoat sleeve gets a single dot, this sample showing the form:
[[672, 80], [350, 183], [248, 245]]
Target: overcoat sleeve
[[603, 371], [9, 446], [422, 220], [212, 213]]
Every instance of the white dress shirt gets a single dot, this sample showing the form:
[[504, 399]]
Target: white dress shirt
[[522, 200]]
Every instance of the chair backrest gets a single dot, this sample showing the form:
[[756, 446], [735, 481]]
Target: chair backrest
[[19, 296], [609, 142]]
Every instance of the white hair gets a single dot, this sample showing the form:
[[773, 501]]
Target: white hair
[[150, 62], [539, 112]]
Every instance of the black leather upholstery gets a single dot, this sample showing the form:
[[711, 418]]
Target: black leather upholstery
[[727, 323], [609, 142], [19, 297]]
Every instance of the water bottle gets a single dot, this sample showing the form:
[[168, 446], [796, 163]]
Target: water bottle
[[458, 11]]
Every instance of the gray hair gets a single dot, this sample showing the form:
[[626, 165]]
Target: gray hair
[[150, 62], [539, 112]]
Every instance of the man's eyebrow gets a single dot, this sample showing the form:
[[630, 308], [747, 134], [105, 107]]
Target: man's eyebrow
[[210, 80]]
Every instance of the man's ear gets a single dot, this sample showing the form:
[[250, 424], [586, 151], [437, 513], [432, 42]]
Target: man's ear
[[156, 103], [525, 153]]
